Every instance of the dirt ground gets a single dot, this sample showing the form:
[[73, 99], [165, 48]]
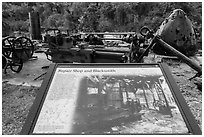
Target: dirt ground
[[18, 95], [190, 89]]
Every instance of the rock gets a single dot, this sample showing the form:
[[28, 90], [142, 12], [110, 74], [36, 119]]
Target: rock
[[114, 129]]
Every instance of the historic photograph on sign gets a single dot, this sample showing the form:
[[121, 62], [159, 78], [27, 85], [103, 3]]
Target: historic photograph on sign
[[110, 101]]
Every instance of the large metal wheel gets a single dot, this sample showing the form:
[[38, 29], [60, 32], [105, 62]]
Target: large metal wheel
[[144, 31], [4, 62], [16, 64], [7, 46], [24, 48]]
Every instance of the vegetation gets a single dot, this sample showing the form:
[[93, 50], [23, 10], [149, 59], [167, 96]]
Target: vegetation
[[95, 16]]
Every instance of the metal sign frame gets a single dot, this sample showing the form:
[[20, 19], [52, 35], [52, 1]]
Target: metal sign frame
[[31, 120]]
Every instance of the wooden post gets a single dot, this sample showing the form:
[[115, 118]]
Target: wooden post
[[167, 104], [100, 96], [121, 93], [145, 97]]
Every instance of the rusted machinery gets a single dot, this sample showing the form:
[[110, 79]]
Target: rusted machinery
[[156, 39], [91, 49], [95, 48], [174, 37], [15, 51], [177, 31]]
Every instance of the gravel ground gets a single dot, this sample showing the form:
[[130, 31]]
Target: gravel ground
[[17, 99], [16, 102], [190, 89]]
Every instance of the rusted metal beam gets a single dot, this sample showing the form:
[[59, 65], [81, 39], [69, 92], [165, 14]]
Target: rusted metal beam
[[181, 56], [117, 50], [106, 55]]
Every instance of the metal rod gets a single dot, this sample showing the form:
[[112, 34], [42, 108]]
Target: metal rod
[[109, 33], [147, 50], [111, 38]]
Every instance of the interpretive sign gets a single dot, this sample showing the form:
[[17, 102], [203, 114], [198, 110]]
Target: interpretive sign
[[109, 99]]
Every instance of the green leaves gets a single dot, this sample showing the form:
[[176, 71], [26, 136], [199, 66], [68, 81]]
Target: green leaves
[[96, 16]]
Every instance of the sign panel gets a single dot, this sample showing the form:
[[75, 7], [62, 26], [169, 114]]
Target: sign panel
[[102, 99]]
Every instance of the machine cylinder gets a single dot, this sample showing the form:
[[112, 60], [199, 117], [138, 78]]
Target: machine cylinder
[[35, 26]]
